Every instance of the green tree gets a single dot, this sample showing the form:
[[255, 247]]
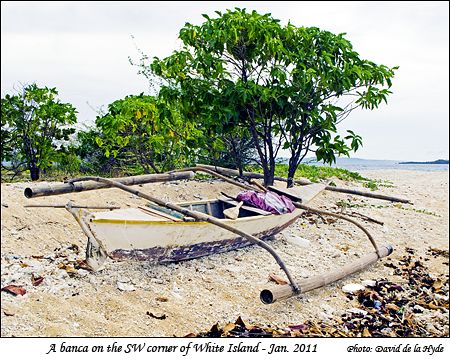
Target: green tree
[[146, 130], [288, 86], [35, 124], [238, 151], [91, 155]]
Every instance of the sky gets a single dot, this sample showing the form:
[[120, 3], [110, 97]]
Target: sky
[[83, 49]]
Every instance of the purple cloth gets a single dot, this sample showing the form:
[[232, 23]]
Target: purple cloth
[[268, 201]]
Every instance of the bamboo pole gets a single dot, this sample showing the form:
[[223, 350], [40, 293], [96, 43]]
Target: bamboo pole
[[339, 216], [207, 170], [231, 172], [302, 206], [257, 184], [63, 206], [269, 296], [49, 190], [247, 174], [196, 215], [367, 194]]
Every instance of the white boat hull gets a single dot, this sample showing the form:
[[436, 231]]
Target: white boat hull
[[142, 237]]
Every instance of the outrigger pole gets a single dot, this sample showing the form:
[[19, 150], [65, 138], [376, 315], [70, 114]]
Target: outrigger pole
[[252, 175], [281, 292], [267, 296], [48, 190], [199, 217]]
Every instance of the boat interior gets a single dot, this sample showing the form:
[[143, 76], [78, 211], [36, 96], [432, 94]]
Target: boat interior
[[210, 207]]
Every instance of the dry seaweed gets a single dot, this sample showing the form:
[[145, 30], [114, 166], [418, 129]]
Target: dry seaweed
[[14, 290], [386, 309], [438, 252], [156, 316]]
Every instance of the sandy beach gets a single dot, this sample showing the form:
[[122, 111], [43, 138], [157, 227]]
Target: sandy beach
[[191, 296]]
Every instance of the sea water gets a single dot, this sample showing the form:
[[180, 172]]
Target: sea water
[[356, 164]]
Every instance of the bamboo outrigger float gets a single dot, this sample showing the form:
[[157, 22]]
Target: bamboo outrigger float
[[165, 232], [68, 187]]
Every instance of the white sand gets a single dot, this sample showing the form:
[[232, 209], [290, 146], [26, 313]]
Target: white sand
[[217, 288]]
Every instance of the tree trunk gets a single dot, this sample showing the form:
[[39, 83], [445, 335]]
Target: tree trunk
[[269, 172], [291, 173], [34, 173], [241, 169], [269, 177]]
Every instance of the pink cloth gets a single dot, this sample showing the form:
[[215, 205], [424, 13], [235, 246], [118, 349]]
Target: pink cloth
[[268, 201]]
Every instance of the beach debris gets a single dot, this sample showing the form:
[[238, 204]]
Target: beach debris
[[82, 264], [298, 327], [5, 205], [157, 281], [82, 272], [357, 311], [438, 252], [162, 299], [73, 267], [278, 279], [297, 240], [328, 310], [440, 297], [125, 287], [377, 304], [68, 267], [14, 289], [213, 332], [437, 284], [344, 248], [410, 250], [369, 283], [36, 280], [156, 316], [312, 218], [176, 291], [236, 329], [352, 288], [75, 248], [9, 310], [415, 308]]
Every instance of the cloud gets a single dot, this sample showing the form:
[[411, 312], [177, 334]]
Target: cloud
[[82, 49]]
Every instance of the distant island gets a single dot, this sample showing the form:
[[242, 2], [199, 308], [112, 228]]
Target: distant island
[[436, 162]]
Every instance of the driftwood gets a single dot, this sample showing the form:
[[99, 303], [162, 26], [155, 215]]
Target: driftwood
[[49, 190], [251, 175], [269, 296]]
